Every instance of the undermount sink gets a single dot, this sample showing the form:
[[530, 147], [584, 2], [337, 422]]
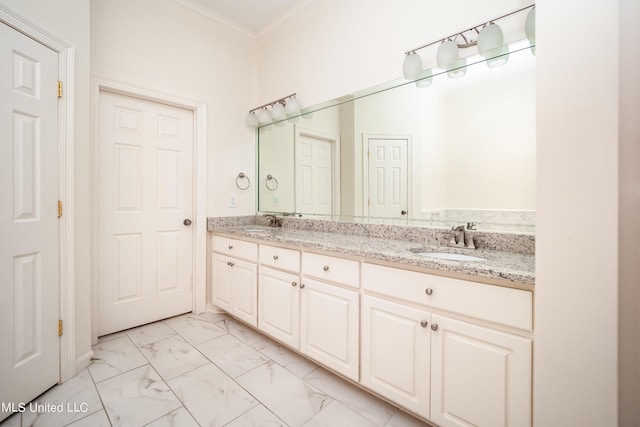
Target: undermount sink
[[450, 257]]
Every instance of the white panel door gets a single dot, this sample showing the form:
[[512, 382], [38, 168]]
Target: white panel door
[[388, 184], [396, 353], [145, 205], [479, 377], [314, 175], [29, 257]]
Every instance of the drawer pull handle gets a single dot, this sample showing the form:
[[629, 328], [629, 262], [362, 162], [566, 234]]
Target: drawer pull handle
[[230, 247], [275, 257], [424, 323], [434, 326], [294, 284], [428, 291], [302, 285], [325, 268]]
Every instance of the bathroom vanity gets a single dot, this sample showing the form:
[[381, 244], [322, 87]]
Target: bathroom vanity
[[449, 341]]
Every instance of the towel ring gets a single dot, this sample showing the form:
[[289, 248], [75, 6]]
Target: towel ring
[[273, 187], [241, 176]]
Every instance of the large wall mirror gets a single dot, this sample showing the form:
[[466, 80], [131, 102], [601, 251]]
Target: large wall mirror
[[460, 150]]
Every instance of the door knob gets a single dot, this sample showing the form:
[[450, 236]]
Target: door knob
[[403, 212], [187, 221]]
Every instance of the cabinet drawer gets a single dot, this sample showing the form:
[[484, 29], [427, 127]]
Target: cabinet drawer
[[343, 271], [511, 307], [285, 259], [236, 248]]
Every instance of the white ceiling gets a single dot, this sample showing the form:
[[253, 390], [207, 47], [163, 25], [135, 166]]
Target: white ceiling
[[252, 17]]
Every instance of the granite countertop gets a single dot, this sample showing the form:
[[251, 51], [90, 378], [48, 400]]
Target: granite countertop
[[505, 268]]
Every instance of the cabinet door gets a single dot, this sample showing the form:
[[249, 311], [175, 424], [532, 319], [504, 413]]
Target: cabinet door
[[278, 305], [329, 326], [245, 291], [221, 288], [479, 376], [396, 353]]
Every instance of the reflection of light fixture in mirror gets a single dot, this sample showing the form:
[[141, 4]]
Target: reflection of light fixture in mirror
[[448, 57], [281, 109], [425, 79], [491, 47], [530, 29], [412, 66]]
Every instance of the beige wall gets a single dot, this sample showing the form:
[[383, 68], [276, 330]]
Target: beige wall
[[68, 20], [629, 227], [162, 46]]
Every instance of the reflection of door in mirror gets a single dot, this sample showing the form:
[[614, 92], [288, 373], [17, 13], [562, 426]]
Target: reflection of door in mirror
[[316, 165], [387, 178]]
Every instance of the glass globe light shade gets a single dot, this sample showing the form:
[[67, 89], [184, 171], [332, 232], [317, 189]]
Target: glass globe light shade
[[264, 117], [447, 54], [277, 112], [412, 66], [252, 120], [491, 47], [292, 108], [530, 28], [489, 39]]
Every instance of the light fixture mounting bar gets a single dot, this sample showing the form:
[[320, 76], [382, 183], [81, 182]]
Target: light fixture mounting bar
[[475, 28], [269, 104]]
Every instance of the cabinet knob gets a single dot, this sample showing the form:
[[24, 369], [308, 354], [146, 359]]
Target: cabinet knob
[[230, 247], [302, 285], [294, 284], [424, 323], [325, 268], [428, 291], [434, 326], [275, 257], [230, 264]]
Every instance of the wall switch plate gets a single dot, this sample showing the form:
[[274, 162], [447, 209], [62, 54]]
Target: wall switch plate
[[232, 201], [276, 200]]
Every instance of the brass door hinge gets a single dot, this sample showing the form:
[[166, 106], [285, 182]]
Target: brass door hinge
[[59, 208], [59, 328], [59, 89]]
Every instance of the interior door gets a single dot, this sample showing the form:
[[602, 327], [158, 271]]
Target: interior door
[[388, 182], [29, 255], [145, 207], [314, 174]]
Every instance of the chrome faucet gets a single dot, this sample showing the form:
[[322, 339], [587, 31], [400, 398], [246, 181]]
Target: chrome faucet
[[463, 237], [274, 221]]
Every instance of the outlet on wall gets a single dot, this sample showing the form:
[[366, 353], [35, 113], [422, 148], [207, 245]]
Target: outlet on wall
[[232, 201], [276, 200]]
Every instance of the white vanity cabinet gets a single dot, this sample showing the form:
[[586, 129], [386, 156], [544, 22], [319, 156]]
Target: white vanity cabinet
[[396, 352], [329, 312], [279, 294], [478, 375], [234, 278]]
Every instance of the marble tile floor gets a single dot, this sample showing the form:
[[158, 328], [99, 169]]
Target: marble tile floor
[[206, 370]]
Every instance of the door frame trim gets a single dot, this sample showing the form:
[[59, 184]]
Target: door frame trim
[[365, 168], [66, 142], [199, 109]]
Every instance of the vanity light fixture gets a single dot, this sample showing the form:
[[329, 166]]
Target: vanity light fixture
[[487, 36], [276, 111]]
